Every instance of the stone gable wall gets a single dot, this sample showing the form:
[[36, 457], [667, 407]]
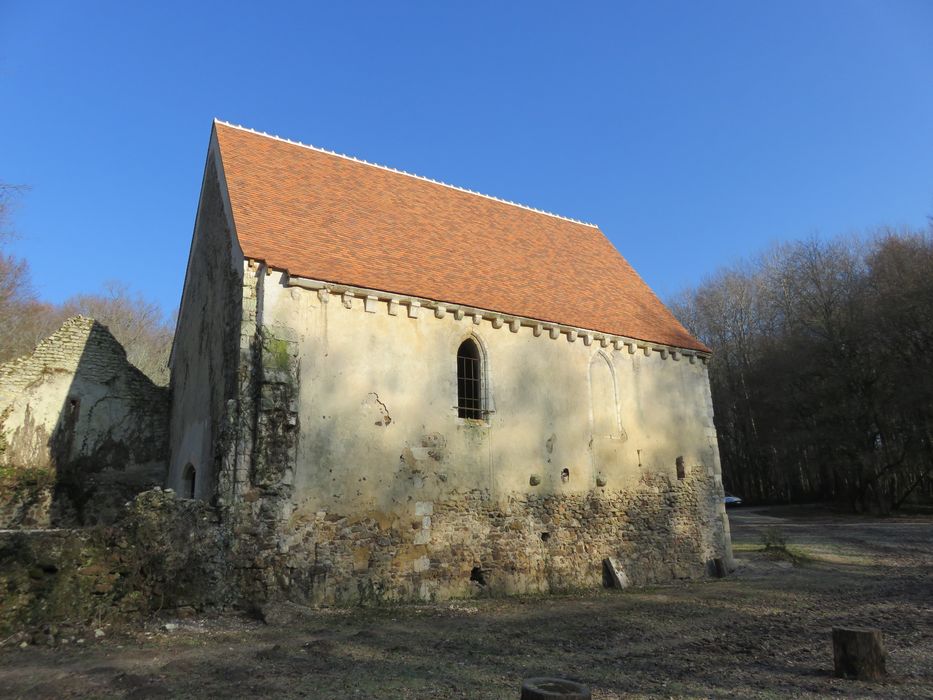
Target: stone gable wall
[[206, 350]]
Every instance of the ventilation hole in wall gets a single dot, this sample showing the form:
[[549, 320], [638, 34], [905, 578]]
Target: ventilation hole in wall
[[49, 568], [565, 475], [545, 536], [478, 576], [681, 469]]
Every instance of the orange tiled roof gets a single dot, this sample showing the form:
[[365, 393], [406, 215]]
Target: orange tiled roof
[[327, 217]]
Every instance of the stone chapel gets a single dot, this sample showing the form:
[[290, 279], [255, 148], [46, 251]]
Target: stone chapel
[[399, 389]]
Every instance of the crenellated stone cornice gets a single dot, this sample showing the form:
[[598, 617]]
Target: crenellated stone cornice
[[373, 299]]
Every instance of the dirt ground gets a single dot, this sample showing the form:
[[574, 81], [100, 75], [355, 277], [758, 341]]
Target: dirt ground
[[762, 632]]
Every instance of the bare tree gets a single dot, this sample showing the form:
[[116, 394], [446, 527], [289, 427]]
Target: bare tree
[[139, 325], [821, 379]]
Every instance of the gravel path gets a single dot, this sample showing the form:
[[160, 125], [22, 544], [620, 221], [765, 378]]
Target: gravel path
[[763, 632]]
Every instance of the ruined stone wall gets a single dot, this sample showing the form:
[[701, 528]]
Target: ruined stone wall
[[81, 430], [163, 554], [205, 353]]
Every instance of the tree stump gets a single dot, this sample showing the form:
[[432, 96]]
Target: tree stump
[[554, 689], [858, 653]]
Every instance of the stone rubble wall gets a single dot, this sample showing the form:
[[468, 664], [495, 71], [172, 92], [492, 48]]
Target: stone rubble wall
[[474, 545], [163, 554], [81, 430]]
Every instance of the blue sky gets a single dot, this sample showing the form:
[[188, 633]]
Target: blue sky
[[692, 133]]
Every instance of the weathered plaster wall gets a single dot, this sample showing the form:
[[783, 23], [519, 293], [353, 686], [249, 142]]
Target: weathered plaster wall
[[81, 429], [206, 346], [378, 399], [363, 482]]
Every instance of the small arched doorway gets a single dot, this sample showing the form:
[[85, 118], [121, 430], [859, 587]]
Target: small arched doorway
[[187, 481]]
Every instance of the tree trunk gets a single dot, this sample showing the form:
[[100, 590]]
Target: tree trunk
[[858, 653]]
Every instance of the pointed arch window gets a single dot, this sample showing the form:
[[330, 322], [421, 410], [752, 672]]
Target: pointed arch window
[[469, 381]]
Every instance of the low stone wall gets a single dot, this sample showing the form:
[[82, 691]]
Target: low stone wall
[[26, 497], [474, 545], [163, 553]]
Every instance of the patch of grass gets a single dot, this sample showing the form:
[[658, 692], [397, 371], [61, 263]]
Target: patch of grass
[[773, 538], [25, 479], [746, 547]]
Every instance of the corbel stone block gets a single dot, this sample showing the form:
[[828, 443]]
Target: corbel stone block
[[631, 348], [514, 325], [675, 355], [370, 304], [393, 307], [497, 322], [571, 336], [617, 343], [440, 311], [604, 342], [587, 339], [663, 352], [537, 329], [414, 307], [693, 359], [458, 313], [647, 350], [348, 300], [555, 332], [323, 295]]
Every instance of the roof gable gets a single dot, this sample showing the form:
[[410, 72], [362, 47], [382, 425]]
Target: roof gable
[[328, 217]]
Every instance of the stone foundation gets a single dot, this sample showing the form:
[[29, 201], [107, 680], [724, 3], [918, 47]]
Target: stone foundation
[[474, 545]]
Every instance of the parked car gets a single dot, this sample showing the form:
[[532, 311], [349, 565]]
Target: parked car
[[731, 500]]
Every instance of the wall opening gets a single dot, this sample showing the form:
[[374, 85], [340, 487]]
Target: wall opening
[[469, 381], [478, 576], [681, 469], [188, 481], [565, 475]]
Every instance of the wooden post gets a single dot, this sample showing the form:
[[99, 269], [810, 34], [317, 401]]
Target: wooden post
[[858, 653], [554, 689]]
